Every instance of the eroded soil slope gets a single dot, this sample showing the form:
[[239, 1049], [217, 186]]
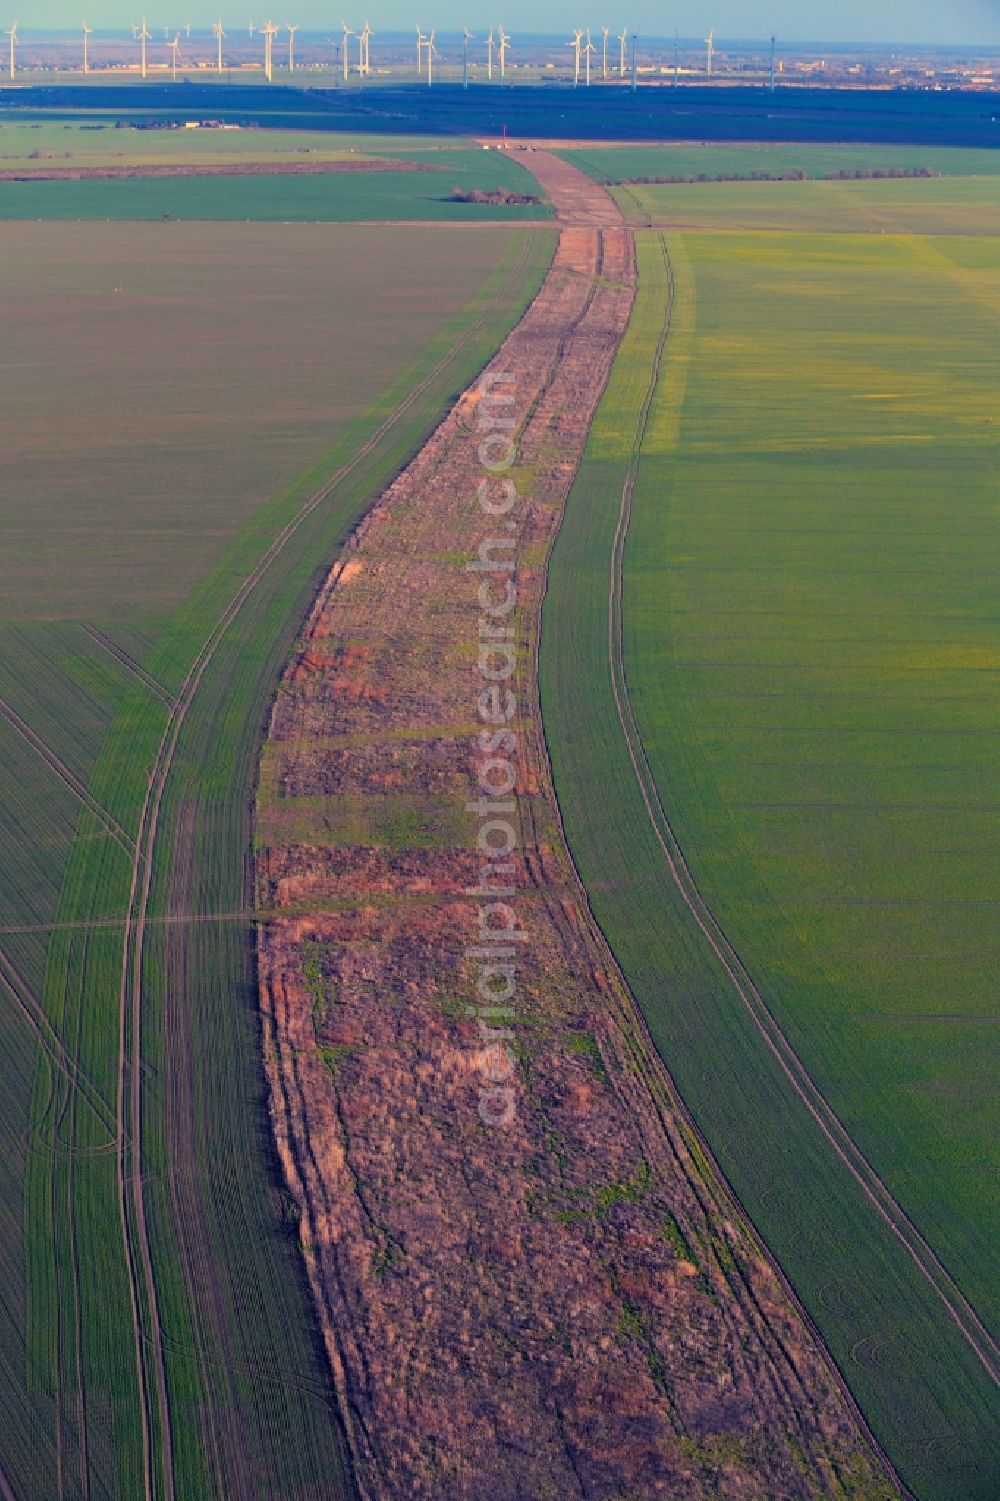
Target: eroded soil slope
[[529, 1281]]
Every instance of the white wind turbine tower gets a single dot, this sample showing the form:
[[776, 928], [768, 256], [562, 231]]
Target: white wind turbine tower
[[187, 29], [364, 64], [432, 52], [291, 44], [86, 51], [575, 44], [143, 38], [268, 31], [504, 43], [421, 39], [175, 47], [345, 51], [466, 39], [489, 56], [588, 52], [621, 53], [251, 29], [710, 44], [604, 33], [12, 33], [219, 34]]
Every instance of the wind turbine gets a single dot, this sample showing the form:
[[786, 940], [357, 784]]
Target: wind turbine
[[467, 38], [504, 43], [710, 44], [268, 31], [364, 65], [489, 56], [588, 50], [218, 33], [621, 54], [291, 44], [432, 53], [575, 44], [175, 47], [86, 54], [251, 29], [12, 33], [421, 43], [774, 40], [187, 29], [604, 33], [345, 51], [143, 38]]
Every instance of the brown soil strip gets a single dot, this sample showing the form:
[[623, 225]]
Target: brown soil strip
[[48, 173], [567, 1304]]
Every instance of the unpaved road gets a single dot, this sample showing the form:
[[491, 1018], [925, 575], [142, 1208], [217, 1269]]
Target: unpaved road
[[556, 1299]]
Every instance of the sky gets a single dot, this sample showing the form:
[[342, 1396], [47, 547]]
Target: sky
[[958, 22]]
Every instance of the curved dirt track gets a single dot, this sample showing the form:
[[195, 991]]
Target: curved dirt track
[[562, 1302]]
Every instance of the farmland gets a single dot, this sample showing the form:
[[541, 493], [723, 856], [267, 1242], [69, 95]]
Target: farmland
[[922, 206], [275, 195], [614, 164], [962, 197], [95, 140], [256, 1230], [169, 507], [722, 114], [803, 678], [586, 1237]]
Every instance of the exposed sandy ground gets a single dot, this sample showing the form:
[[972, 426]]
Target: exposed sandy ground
[[565, 1303]]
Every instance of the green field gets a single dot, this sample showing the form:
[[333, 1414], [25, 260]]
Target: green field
[[79, 141], [611, 164], [325, 197], [806, 680], [128, 451], [936, 206], [170, 514]]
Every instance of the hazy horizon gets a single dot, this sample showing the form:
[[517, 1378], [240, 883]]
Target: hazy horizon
[[918, 22]]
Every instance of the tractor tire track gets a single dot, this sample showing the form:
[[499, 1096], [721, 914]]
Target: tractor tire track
[[806, 1089], [68, 778], [148, 1334], [129, 663], [51, 1043]]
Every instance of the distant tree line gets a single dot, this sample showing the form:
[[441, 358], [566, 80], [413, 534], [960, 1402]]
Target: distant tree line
[[847, 174], [494, 195], [794, 174]]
